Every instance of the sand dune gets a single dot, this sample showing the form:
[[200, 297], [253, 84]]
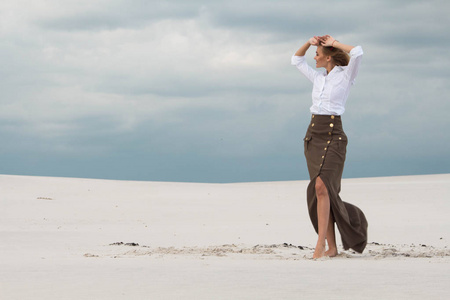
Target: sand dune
[[67, 238]]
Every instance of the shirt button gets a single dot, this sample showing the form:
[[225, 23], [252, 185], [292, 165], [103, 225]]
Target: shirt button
[[325, 148], [328, 142], [329, 133], [323, 156], [313, 116], [312, 124], [340, 138], [332, 117], [331, 124]]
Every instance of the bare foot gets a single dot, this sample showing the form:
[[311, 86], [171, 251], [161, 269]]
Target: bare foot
[[319, 252], [331, 253]]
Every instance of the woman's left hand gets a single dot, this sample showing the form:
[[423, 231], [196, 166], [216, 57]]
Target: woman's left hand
[[326, 40]]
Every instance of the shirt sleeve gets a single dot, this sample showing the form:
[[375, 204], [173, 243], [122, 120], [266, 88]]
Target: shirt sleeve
[[353, 66], [302, 65]]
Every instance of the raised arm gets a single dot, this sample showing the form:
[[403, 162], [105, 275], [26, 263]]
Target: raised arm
[[299, 60], [314, 41], [355, 55], [329, 41]]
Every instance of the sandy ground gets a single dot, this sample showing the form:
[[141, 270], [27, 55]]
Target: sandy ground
[[66, 238]]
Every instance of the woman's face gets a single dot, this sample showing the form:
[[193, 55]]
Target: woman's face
[[320, 58]]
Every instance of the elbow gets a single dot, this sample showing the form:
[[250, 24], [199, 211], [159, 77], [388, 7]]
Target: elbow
[[356, 51]]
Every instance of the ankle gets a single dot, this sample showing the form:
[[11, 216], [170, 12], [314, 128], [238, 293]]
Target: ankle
[[321, 244]]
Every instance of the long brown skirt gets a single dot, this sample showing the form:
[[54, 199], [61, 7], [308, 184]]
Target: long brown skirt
[[325, 149]]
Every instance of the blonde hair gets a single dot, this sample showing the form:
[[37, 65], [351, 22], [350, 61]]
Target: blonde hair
[[339, 57]]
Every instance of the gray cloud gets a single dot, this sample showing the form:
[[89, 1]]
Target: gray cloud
[[113, 15]]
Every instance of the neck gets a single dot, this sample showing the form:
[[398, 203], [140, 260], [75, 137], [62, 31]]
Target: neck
[[330, 67]]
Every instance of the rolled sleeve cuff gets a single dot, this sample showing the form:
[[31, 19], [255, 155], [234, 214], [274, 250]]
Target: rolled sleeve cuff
[[297, 60]]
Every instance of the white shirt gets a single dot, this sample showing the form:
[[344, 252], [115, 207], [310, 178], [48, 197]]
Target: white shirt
[[330, 91]]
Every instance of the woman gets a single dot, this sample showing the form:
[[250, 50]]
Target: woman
[[325, 144]]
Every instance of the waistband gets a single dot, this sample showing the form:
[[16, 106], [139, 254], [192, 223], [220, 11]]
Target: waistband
[[331, 117]]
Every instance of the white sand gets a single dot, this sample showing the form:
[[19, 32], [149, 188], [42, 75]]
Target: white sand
[[216, 241]]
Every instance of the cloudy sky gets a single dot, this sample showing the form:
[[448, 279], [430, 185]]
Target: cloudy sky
[[203, 91]]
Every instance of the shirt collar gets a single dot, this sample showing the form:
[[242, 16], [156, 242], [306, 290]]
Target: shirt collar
[[334, 70]]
